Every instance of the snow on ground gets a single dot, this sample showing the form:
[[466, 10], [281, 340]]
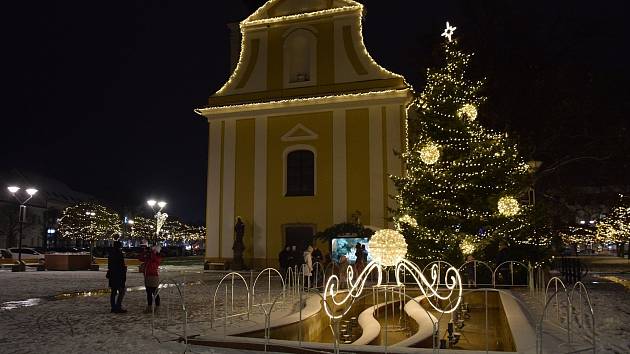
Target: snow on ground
[[84, 324], [611, 303]]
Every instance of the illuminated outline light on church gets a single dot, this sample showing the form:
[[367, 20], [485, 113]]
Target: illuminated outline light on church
[[303, 133]]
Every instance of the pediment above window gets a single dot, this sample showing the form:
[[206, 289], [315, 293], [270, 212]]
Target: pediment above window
[[299, 133]]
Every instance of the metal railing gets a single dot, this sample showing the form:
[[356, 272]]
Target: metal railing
[[236, 298]]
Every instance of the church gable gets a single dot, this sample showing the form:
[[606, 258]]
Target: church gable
[[295, 49], [279, 8]]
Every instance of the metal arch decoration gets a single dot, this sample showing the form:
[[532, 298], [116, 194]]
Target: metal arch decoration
[[453, 284]]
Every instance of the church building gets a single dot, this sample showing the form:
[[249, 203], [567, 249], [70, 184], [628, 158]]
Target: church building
[[304, 132]]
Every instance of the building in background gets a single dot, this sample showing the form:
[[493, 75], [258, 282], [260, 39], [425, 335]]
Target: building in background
[[39, 230], [304, 132]]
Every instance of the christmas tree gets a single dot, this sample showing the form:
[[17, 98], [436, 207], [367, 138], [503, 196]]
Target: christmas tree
[[615, 227], [462, 181]]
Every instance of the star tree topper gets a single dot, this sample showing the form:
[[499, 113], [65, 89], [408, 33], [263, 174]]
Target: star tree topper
[[449, 31]]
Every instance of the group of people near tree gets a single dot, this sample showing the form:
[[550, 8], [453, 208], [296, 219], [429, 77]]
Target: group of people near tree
[[117, 275]]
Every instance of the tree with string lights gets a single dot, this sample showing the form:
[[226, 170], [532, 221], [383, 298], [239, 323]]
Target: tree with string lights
[[459, 193], [173, 230], [89, 222], [615, 227]]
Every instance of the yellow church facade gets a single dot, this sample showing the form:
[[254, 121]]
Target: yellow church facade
[[304, 132]]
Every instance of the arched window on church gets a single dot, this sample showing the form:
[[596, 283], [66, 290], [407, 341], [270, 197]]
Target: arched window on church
[[300, 56], [300, 173]]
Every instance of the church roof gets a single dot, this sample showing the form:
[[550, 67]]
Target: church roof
[[281, 10]]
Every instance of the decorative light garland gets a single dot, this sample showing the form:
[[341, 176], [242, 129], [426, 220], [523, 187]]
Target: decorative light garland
[[301, 101]]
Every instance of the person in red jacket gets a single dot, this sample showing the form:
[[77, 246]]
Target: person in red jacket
[[151, 259]]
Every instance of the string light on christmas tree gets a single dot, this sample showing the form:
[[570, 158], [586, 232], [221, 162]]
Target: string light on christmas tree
[[508, 206], [468, 111], [388, 247], [430, 153]]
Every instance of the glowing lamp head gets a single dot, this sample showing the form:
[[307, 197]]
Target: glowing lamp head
[[13, 189], [151, 203], [388, 247], [31, 191], [161, 204]]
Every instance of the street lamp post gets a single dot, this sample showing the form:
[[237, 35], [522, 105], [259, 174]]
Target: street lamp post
[[21, 218], [91, 215], [126, 223], [160, 217]]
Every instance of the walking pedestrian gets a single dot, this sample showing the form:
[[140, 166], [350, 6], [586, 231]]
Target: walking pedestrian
[[152, 261], [117, 275]]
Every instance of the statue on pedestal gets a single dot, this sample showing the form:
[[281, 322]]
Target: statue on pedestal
[[239, 246]]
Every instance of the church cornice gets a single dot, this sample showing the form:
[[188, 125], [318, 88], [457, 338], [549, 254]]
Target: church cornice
[[400, 96], [303, 92]]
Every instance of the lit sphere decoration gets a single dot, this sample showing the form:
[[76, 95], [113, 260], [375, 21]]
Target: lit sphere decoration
[[406, 219], [467, 247], [468, 111], [430, 153], [508, 206], [388, 247]]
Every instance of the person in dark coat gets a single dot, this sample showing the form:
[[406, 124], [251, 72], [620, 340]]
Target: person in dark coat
[[117, 274], [502, 256], [284, 259], [317, 255]]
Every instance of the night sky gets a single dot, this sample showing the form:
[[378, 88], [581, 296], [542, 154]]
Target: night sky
[[100, 94]]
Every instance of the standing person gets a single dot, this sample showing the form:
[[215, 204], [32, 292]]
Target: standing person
[[343, 271], [318, 258], [365, 254], [117, 275], [470, 271], [358, 252], [283, 259], [308, 265], [152, 261], [317, 255], [297, 258], [502, 256]]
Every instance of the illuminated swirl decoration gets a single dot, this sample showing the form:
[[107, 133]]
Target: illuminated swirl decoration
[[430, 153], [508, 206], [468, 111], [337, 306]]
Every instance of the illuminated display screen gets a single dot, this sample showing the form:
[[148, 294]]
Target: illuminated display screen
[[346, 246]]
